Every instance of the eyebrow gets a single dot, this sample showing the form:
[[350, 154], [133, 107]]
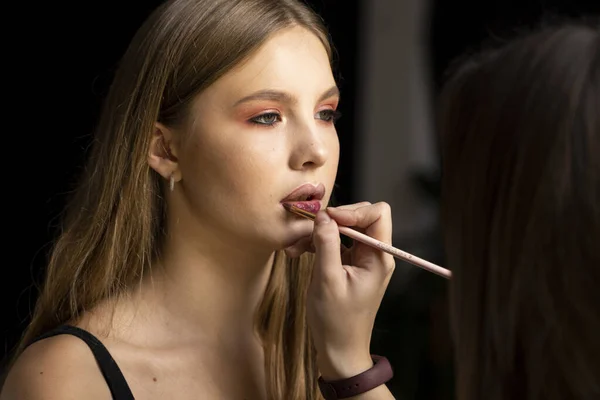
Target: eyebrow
[[283, 97]]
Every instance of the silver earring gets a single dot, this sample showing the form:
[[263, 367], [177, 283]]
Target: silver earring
[[172, 182]]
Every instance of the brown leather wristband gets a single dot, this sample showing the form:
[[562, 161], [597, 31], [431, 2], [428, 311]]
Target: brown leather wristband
[[380, 373]]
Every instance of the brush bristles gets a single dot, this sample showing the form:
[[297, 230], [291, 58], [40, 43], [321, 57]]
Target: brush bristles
[[298, 211]]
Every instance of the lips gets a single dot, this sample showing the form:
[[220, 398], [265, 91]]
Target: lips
[[306, 192], [307, 197]]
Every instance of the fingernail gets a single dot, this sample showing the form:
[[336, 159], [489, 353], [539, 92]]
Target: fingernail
[[322, 218]]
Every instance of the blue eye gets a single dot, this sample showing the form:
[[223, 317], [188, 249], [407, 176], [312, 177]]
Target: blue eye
[[329, 115], [268, 119]]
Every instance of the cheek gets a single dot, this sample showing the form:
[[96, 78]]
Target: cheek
[[334, 150], [333, 160], [235, 172], [208, 170]]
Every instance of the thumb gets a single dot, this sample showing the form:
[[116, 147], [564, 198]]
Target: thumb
[[326, 239]]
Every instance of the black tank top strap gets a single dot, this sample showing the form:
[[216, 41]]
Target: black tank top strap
[[110, 370]]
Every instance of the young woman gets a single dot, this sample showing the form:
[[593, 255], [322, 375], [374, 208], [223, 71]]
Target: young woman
[[171, 266]]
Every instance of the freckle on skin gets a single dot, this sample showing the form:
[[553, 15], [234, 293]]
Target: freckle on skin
[[41, 372], [154, 379]]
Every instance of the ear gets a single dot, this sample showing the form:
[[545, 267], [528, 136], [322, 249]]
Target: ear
[[162, 156]]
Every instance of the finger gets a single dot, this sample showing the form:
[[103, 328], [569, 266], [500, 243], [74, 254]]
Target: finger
[[300, 247], [306, 245], [326, 239], [352, 206], [375, 219]]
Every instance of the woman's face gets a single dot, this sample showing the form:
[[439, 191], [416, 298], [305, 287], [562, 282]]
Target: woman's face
[[258, 133]]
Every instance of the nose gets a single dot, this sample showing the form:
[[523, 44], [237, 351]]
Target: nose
[[309, 147]]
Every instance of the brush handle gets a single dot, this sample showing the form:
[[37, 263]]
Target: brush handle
[[368, 240], [402, 255]]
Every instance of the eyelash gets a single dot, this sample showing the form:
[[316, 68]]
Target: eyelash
[[330, 116]]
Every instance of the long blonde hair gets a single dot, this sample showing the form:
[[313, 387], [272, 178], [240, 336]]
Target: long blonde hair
[[113, 225]]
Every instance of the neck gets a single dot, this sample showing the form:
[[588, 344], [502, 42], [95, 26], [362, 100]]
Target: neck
[[206, 289], [215, 286]]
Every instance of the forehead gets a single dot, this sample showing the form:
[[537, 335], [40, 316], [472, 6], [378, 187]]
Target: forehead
[[292, 60]]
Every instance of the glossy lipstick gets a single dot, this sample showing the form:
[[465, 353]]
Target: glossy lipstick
[[306, 197]]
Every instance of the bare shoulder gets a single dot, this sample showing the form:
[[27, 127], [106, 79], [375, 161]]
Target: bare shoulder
[[59, 367]]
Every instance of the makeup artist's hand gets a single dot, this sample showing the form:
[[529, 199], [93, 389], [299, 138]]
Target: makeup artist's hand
[[347, 287]]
